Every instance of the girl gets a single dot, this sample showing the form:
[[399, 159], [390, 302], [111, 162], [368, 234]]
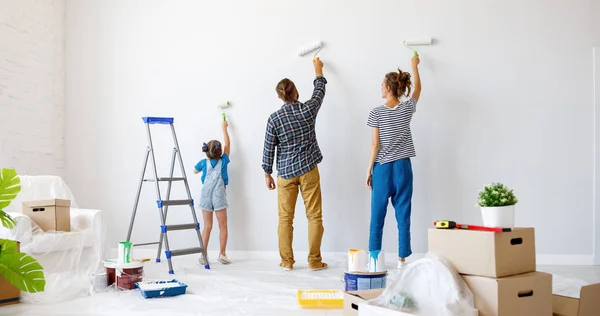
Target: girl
[[389, 173], [214, 198]]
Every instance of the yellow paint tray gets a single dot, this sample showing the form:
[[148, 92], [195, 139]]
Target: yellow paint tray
[[321, 298]]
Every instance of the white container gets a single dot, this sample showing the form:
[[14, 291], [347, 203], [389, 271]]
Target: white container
[[377, 261], [498, 216], [357, 260], [124, 252]]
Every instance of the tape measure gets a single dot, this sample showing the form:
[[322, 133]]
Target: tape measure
[[453, 225]]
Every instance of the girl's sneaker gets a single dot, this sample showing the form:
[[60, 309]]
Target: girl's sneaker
[[223, 259], [202, 261]]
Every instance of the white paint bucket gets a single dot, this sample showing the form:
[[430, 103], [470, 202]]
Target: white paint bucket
[[100, 282], [357, 260], [124, 252], [377, 261]]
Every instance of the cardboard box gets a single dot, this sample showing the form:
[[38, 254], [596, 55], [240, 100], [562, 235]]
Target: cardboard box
[[50, 214], [354, 298], [527, 294], [484, 253], [9, 294], [355, 305], [575, 300], [372, 310]]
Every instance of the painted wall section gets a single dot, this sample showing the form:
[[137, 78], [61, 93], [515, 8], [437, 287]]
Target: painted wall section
[[32, 86], [507, 97]]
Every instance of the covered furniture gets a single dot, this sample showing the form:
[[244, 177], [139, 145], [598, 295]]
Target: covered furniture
[[69, 258]]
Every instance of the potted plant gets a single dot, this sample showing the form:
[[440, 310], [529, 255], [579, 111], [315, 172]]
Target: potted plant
[[497, 204], [19, 269]]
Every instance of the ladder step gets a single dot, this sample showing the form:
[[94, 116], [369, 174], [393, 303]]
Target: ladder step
[[186, 251], [162, 203], [165, 179], [169, 228], [158, 120], [146, 244]]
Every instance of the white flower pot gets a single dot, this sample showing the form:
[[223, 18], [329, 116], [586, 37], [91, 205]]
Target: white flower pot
[[499, 216]]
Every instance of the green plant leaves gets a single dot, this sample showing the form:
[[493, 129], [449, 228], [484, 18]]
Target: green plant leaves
[[10, 186], [8, 246], [22, 271], [7, 221], [496, 194]]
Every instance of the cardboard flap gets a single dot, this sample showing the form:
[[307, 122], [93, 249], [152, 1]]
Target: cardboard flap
[[589, 304], [49, 202], [366, 294], [565, 306]]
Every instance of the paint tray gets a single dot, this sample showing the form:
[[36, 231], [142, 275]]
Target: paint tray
[[321, 298], [161, 288]]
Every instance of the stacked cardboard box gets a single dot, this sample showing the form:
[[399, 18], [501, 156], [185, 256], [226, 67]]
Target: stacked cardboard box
[[49, 215], [499, 268]]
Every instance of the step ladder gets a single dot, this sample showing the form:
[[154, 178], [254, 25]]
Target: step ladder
[[163, 204]]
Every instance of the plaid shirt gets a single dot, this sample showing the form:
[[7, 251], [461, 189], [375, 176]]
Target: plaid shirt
[[292, 130]]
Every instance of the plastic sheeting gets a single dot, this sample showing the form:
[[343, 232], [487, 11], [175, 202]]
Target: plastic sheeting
[[429, 286], [68, 258], [252, 285]]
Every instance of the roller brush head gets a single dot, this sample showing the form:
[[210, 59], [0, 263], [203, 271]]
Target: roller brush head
[[224, 105], [316, 46]]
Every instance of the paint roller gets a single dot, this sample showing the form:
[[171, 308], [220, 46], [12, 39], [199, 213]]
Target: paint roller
[[224, 106], [414, 42], [316, 46]]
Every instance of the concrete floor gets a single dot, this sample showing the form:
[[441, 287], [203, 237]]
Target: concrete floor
[[252, 285]]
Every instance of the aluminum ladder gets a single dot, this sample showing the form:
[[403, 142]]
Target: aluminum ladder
[[163, 204]]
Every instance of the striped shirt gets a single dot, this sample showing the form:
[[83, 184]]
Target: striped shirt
[[395, 138], [291, 130]]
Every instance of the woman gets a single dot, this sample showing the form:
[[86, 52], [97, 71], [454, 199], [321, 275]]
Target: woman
[[389, 174]]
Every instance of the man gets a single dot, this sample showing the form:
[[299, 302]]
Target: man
[[291, 130]]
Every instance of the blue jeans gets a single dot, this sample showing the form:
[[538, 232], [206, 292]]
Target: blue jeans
[[391, 180]]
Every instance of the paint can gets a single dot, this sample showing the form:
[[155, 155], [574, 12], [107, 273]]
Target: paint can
[[364, 281], [124, 252], [128, 274], [357, 260], [377, 261], [100, 282]]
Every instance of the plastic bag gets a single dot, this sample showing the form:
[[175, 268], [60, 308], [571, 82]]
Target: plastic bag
[[429, 286]]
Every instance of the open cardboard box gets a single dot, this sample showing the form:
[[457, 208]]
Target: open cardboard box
[[572, 297], [353, 299], [355, 305]]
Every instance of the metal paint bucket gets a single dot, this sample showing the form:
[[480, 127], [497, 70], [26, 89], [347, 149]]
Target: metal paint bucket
[[100, 282], [364, 281]]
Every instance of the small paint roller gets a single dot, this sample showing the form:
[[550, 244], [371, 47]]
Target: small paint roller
[[316, 46], [224, 106], [413, 42]]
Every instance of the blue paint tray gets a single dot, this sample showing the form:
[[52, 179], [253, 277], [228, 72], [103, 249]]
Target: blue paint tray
[[161, 288]]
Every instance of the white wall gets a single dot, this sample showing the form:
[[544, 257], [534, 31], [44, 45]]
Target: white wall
[[32, 84], [507, 96]]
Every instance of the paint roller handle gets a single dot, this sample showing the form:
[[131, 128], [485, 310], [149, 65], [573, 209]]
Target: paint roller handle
[[318, 64], [415, 60]]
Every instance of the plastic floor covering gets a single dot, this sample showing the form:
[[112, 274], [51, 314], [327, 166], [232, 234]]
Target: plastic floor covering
[[252, 285], [248, 286]]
